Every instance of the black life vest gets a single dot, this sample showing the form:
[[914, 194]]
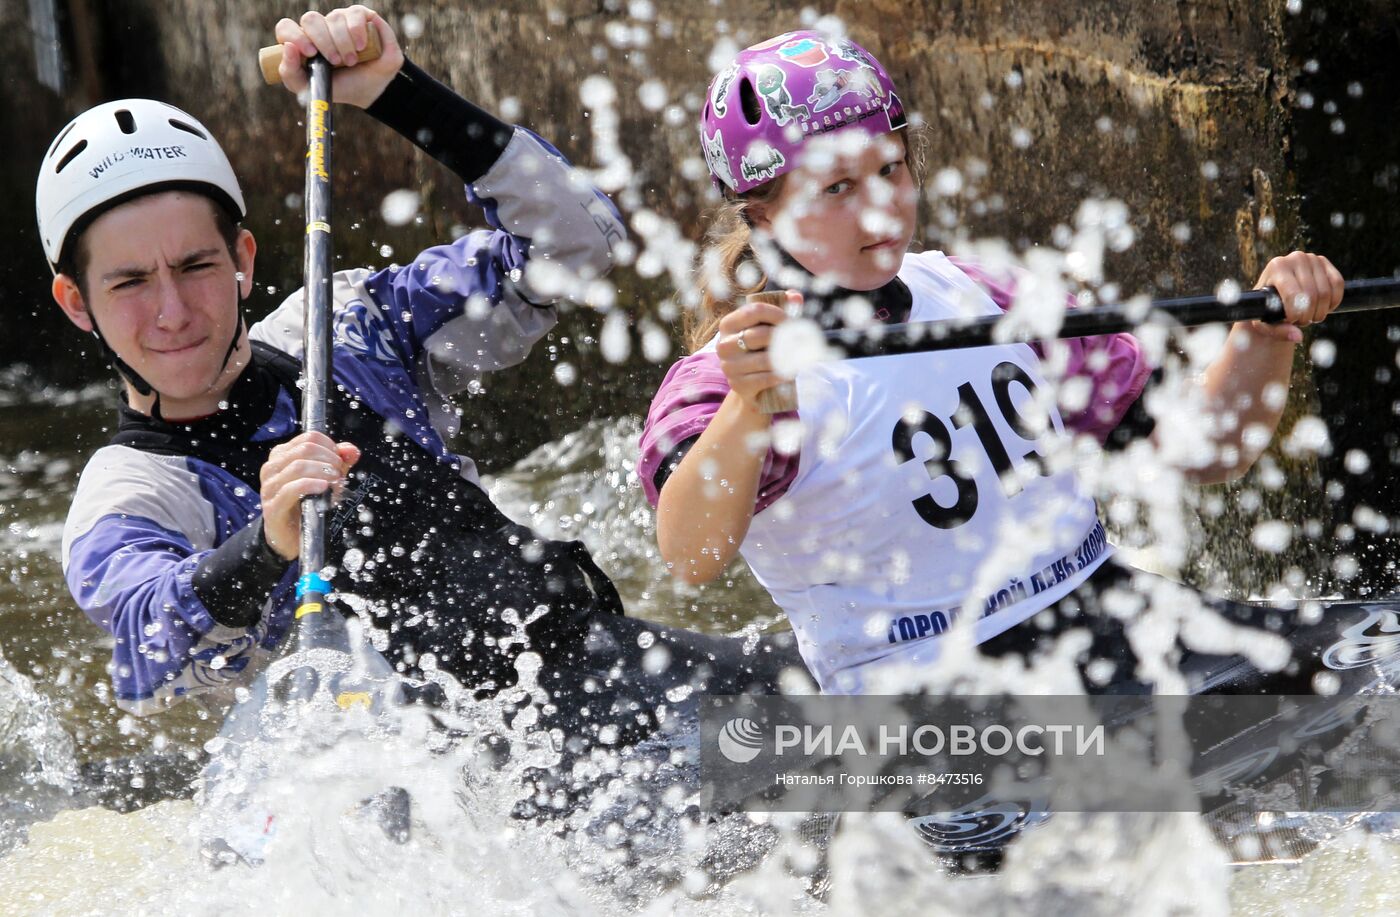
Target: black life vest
[[445, 571]]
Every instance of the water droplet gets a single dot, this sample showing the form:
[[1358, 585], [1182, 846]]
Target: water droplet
[[948, 182], [656, 343], [615, 342], [1272, 536], [597, 92], [1345, 566], [1357, 461], [652, 94], [656, 660], [399, 207], [1326, 683]]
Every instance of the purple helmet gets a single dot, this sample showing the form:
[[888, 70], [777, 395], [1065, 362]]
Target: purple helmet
[[781, 92]]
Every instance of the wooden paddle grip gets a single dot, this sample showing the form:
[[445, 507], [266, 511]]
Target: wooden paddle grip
[[783, 396], [270, 58]]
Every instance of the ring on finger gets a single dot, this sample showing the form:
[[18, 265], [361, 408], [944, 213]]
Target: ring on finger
[[739, 341]]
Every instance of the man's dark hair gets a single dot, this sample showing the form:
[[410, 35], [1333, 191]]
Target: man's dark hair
[[75, 257]]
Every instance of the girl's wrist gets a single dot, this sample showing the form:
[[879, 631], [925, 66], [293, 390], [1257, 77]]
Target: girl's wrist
[[746, 411], [1267, 333]]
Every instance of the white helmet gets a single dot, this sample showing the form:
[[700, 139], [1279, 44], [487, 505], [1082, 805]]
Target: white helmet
[[118, 151]]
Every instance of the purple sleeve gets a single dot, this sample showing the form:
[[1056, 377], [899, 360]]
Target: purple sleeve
[[133, 578], [484, 300], [420, 298], [689, 397], [1114, 364]]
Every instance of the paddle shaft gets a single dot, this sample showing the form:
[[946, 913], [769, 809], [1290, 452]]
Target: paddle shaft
[[1261, 305], [230, 777], [316, 343]]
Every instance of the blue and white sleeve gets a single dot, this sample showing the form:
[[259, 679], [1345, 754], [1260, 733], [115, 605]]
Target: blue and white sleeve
[[480, 303], [136, 536]]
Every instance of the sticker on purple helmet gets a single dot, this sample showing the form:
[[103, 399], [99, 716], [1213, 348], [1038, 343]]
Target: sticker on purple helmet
[[762, 165], [806, 52], [834, 85], [719, 99], [715, 157], [887, 116], [849, 50], [772, 86]]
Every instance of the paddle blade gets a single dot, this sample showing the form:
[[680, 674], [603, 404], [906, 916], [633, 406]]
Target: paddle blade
[[303, 705]]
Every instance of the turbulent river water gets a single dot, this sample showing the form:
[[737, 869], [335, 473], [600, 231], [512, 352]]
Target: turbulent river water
[[63, 851]]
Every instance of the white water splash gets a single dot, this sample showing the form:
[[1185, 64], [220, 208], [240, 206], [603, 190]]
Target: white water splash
[[400, 207]]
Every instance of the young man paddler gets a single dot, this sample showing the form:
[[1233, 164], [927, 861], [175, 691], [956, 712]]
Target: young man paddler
[[183, 535]]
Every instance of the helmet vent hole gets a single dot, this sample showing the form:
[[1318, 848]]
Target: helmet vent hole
[[70, 155], [126, 122], [58, 141], [748, 99], [188, 128]]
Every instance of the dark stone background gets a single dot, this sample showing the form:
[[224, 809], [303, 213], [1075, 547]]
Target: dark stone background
[[1126, 99]]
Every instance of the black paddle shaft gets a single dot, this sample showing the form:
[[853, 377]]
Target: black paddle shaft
[[1262, 305], [316, 342]]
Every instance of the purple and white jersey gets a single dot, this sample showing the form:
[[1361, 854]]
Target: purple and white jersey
[[406, 338], [914, 490]]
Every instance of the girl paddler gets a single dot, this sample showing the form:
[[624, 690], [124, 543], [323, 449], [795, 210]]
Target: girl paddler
[[905, 493]]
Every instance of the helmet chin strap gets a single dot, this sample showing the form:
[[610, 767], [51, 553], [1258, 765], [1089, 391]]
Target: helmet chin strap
[[132, 376], [237, 325], [137, 381]]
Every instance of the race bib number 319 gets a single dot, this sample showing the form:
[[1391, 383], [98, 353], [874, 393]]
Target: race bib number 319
[[973, 412]]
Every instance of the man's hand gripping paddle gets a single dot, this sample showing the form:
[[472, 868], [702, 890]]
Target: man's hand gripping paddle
[[328, 686]]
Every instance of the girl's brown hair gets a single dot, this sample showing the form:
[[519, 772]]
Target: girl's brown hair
[[728, 245]]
